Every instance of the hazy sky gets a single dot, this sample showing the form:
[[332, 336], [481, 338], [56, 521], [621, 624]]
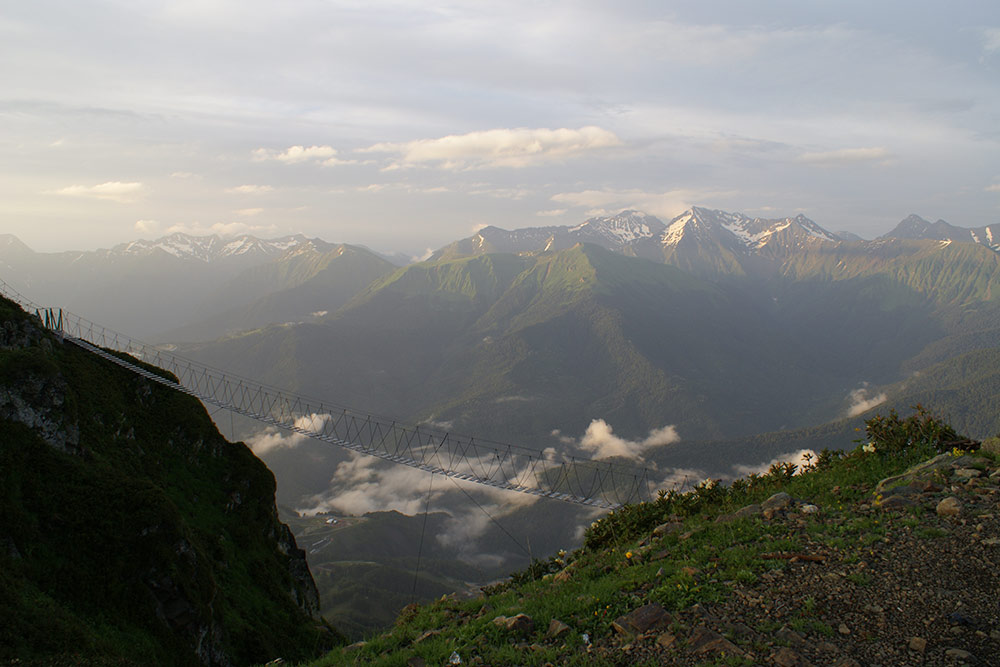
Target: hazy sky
[[405, 125]]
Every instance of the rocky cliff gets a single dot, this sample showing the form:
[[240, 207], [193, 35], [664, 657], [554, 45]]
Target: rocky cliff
[[131, 531]]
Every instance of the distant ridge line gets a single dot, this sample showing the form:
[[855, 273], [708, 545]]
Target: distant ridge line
[[602, 485]]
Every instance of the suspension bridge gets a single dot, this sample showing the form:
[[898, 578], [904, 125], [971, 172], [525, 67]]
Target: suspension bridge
[[606, 485]]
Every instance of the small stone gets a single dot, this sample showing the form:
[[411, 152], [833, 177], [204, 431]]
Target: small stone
[[642, 619], [918, 644], [809, 509], [427, 635], [689, 571], [703, 640], [968, 473], [846, 662], [958, 654], [416, 661], [992, 541], [520, 623], [556, 628], [950, 506], [790, 636], [786, 657], [666, 640], [843, 629], [897, 502], [827, 647], [667, 528]]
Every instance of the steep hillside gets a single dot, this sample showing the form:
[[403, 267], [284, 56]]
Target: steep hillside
[[305, 283], [887, 555], [131, 531]]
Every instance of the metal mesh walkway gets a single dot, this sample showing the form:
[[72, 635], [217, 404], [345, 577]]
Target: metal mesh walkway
[[504, 466]]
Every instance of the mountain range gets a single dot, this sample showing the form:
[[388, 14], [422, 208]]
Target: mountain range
[[751, 338]]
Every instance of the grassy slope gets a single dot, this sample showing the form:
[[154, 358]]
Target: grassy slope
[[623, 567]]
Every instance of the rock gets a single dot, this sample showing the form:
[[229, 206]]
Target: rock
[[703, 640], [846, 662], [667, 528], [991, 445], [742, 513], [791, 637], [897, 502], [689, 571], [968, 473], [843, 629], [809, 509], [556, 628], [427, 635], [918, 644], [786, 657], [563, 575], [958, 654], [521, 623], [640, 620], [416, 661], [666, 640], [778, 501], [950, 506]]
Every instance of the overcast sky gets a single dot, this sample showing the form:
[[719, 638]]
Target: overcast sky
[[406, 125]]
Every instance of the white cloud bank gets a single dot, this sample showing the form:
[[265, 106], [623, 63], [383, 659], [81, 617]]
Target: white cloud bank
[[847, 156], [517, 147], [325, 155], [602, 443], [860, 401], [250, 189], [801, 458], [111, 191], [271, 438], [666, 204]]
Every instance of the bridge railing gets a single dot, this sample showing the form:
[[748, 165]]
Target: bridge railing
[[499, 465]]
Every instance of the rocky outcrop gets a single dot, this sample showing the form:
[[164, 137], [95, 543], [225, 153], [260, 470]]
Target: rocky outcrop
[[141, 521]]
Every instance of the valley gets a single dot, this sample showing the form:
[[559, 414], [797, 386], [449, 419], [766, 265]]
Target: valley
[[704, 347]]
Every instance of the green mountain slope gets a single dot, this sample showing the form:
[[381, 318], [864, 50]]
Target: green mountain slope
[[131, 531], [304, 284]]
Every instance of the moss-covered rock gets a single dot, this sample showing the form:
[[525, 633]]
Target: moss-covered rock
[[131, 531]]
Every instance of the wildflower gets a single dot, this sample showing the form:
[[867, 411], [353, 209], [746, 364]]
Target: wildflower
[[869, 448]]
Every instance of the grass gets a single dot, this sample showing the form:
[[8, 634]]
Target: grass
[[623, 566]]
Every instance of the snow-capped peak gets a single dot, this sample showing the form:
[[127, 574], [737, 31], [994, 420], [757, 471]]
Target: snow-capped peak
[[209, 248], [752, 234]]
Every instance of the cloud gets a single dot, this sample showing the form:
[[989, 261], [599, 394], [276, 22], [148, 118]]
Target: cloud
[[847, 156], [991, 40], [248, 212], [551, 213], [860, 401], [665, 204], [992, 188], [325, 155], [602, 443], [223, 229], [800, 458], [271, 438], [146, 226], [518, 147], [250, 189], [111, 191]]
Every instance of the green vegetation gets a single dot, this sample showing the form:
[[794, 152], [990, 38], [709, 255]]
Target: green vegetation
[[675, 551], [131, 531]]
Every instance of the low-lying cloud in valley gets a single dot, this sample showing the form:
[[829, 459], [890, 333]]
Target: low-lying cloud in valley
[[861, 401], [601, 442], [271, 439]]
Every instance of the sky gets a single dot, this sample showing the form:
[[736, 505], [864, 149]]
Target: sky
[[406, 125]]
